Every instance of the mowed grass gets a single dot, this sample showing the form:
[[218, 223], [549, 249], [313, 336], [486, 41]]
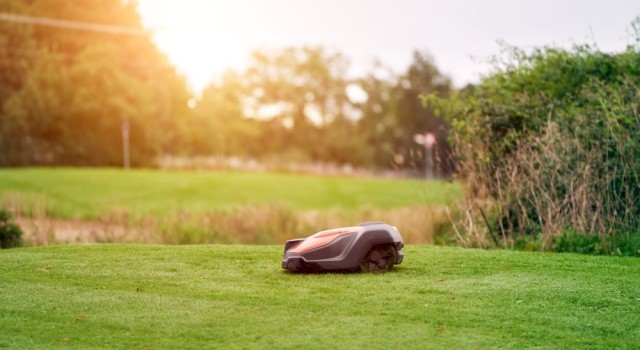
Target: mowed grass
[[90, 193], [237, 296]]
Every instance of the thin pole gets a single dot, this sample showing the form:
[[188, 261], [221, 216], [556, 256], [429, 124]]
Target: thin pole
[[428, 151], [125, 145]]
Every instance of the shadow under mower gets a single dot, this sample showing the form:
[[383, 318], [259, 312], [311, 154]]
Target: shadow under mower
[[368, 247]]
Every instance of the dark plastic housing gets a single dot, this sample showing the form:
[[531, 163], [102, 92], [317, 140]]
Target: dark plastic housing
[[345, 251]]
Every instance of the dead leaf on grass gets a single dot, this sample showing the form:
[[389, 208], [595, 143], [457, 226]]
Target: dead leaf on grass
[[81, 317], [45, 269]]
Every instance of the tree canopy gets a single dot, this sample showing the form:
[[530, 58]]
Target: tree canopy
[[66, 93]]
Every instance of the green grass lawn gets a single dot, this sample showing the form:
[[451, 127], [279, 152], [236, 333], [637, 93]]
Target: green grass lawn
[[89, 193], [217, 296]]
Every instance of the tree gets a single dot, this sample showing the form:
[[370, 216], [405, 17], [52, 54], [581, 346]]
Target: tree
[[74, 89], [393, 114], [300, 93], [222, 127]]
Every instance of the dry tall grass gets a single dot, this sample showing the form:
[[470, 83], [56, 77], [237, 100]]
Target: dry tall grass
[[550, 183], [251, 224]]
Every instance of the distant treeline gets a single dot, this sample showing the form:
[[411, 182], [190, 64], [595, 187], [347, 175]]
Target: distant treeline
[[67, 93]]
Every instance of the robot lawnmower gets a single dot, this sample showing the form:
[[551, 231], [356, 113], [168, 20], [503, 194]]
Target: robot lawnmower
[[370, 246]]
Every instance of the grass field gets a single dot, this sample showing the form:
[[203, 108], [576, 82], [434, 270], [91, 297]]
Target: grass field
[[67, 205], [237, 296], [91, 193]]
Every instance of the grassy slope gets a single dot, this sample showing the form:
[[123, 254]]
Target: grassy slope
[[133, 296], [89, 193]]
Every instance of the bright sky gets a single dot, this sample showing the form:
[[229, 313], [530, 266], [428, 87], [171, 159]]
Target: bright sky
[[205, 37]]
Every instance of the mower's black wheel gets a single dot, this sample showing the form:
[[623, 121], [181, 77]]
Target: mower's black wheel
[[379, 259]]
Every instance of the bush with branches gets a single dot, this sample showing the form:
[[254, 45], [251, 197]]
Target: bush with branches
[[548, 147]]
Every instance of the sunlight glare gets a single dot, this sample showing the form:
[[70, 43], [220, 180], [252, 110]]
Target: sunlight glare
[[203, 38]]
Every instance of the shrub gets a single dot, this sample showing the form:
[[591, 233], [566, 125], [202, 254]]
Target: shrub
[[576, 242], [10, 232], [547, 144], [623, 244]]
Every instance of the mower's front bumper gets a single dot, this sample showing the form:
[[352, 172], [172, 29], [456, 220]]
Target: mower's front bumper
[[399, 254], [300, 264]]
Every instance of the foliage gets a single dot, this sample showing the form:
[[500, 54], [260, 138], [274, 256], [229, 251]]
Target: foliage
[[228, 296], [392, 115], [288, 103], [10, 232], [67, 94], [548, 143], [294, 104], [624, 244], [221, 126]]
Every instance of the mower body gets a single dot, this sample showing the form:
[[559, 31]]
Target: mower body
[[355, 248]]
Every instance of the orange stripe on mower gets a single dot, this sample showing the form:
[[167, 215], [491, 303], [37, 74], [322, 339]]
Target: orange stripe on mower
[[323, 238]]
